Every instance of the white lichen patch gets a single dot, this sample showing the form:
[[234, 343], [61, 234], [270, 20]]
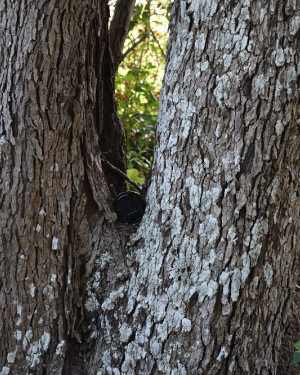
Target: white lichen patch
[[231, 235], [279, 127], [275, 189], [92, 303], [225, 281], [3, 140], [223, 353], [294, 24], [19, 309], [268, 274], [109, 303], [186, 325], [32, 289], [45, 340], [235, 284], [209, 228], [54, 243], [69, 276], [35, 350], [18, 335], [155, 347], [209, 198], [19, 312], [42, 211], [125, 332], [54, 168], [5, 370], [246, 267], [207, 289], [96, 280], [60, 347], [198, 92], [12, 355], [194, 192], [259, 230], [38, 228], [227, 59], [27, 338], [278, 89], [48, 292], [222, 89]]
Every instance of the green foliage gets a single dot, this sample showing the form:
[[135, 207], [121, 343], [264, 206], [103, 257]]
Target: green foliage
[[296, 356], [297, 345], [139, 79], [133, 174]]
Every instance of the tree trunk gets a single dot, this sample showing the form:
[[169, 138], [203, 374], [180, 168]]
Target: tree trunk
[[57, 117], [204, 285], [212, 268]]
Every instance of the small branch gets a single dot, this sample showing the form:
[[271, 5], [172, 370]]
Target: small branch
[[134, 46], [157, 41], [136, 186], [119, 28]]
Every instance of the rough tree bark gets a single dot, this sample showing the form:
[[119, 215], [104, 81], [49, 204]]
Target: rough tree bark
[[57, 116], [204, 285], [212, 269]]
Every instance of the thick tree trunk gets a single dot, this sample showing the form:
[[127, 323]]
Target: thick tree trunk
[[212, 268], [57, 113], [204, 285]]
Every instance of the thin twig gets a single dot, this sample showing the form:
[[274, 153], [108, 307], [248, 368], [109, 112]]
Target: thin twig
[[157, 41], [134, 46], [136, 186]]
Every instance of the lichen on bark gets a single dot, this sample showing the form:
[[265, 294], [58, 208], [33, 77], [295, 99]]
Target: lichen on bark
[[214, 263]]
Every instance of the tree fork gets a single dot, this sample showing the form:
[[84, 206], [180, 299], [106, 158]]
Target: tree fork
[[204, 285]]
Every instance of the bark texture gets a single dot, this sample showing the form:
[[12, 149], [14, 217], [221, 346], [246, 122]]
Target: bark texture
[[214, 263], [57, 114], [204, 285], [291, 335], [119, 28]]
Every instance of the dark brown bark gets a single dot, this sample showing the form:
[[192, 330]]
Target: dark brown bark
[[58, 116], [291, 335], [119, 28]]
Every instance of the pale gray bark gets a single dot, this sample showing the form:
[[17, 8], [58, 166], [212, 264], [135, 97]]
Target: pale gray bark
[[212, 268]]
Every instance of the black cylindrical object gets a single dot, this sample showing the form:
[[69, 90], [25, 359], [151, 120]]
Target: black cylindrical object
[[129, 207]]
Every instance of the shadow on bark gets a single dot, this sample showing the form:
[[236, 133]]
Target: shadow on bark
[[292, 335]]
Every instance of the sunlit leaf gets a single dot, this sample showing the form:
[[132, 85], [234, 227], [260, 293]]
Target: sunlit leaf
[[129, 77], [133, 174]]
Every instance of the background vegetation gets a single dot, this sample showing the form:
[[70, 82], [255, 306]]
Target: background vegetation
[[138, 83]]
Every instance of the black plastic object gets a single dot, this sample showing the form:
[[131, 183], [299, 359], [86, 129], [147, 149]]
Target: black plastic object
[[129, 207]]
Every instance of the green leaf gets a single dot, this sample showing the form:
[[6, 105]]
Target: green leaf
[[133, 174], [129, 77], [138, 89], [296, 357], [297, 345]]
